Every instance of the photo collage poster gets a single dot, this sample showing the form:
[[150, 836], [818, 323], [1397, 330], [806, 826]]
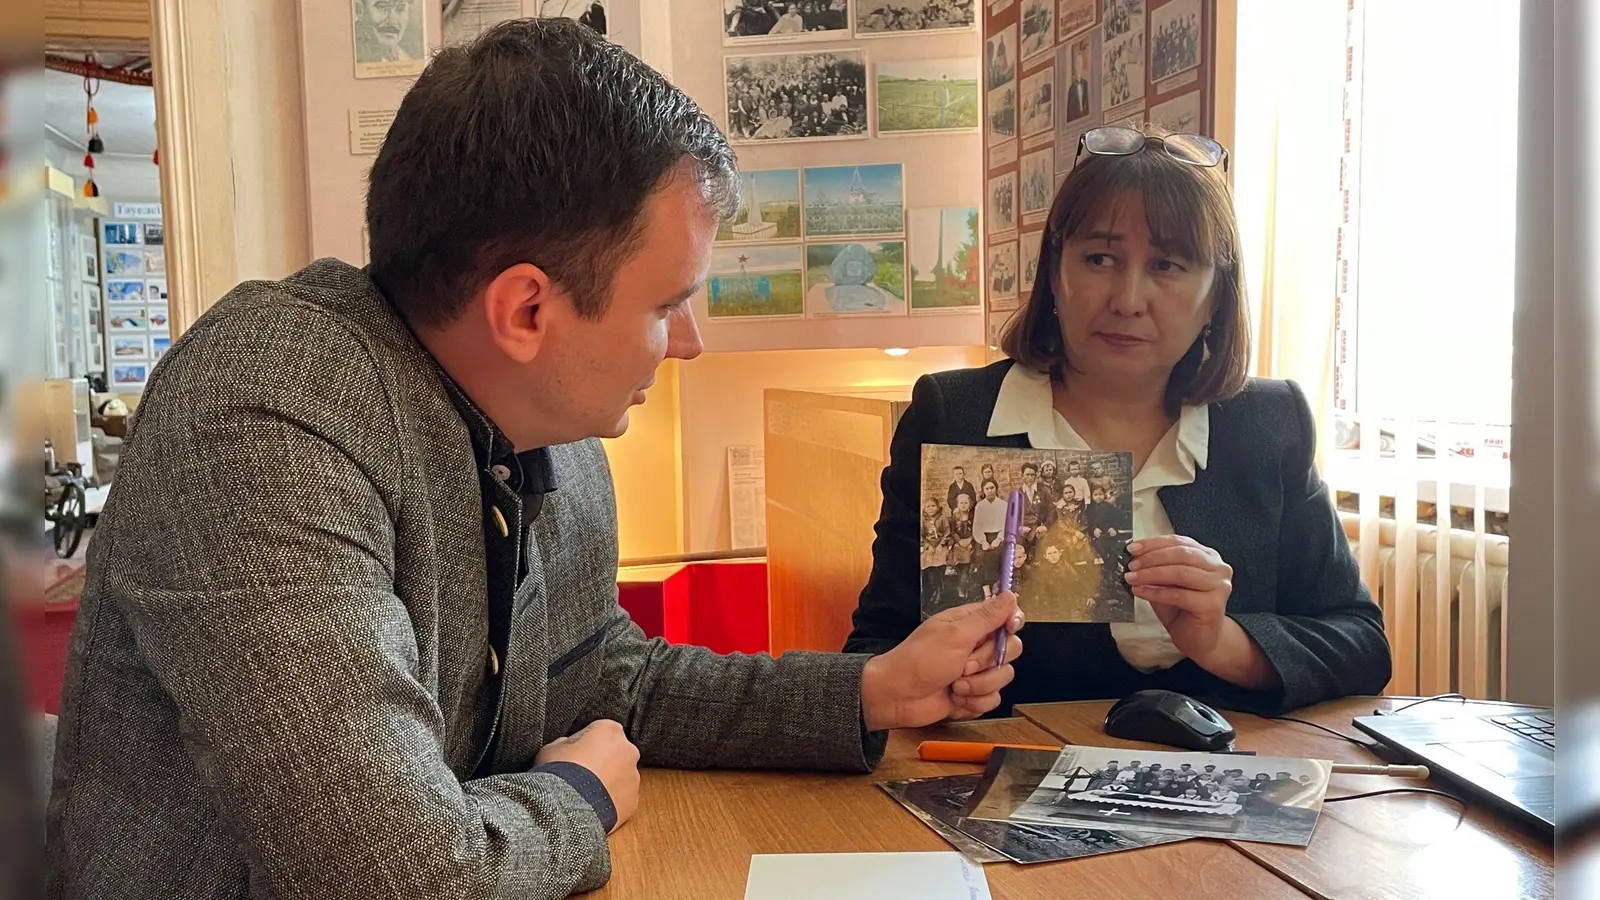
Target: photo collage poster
[[1053, 69], [841, 234], [134, 300]]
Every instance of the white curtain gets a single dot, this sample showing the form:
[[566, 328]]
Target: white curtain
[[1287, 141]]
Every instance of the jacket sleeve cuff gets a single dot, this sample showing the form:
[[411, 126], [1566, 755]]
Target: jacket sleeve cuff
[[1267, 632], [588, 786]]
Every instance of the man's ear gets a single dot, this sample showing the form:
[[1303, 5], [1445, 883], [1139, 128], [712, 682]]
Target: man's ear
[[517, 308]]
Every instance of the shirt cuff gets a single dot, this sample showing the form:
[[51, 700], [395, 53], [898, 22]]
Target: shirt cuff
[[588, 786]]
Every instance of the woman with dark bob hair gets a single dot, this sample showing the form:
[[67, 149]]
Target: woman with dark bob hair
[[1136, 339]]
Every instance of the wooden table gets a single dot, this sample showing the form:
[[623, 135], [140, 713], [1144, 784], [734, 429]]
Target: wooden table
[[1400, 845], [695, 832]]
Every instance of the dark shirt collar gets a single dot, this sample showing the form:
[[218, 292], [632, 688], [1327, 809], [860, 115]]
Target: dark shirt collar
[[531, 471]]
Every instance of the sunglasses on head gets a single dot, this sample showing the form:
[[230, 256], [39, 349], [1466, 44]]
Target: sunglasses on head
[[1116, 140]]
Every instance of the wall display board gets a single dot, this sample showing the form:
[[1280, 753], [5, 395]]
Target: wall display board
[[1053, 69], [858, 133], [133, 289], [360, 58]]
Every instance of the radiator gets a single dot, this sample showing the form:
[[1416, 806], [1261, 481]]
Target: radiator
[[1444, 590]]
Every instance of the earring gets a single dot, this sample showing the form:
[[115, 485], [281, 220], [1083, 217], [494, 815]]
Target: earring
[[1205, 342]]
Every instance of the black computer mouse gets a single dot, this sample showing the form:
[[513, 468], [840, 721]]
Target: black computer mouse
[[1167, 717]]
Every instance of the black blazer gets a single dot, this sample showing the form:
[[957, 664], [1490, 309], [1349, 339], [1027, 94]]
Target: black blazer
[[1258, 502]]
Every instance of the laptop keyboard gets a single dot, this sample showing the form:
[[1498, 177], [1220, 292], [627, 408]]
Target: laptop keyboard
[[1538, 727]]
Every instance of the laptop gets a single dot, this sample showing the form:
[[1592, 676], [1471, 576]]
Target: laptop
[[1507, 760]]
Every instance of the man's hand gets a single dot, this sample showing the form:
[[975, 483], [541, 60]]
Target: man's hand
[[604, 749], [943, 670]]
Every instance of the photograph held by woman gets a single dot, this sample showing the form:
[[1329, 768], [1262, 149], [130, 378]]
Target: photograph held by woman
[[1246, 590]]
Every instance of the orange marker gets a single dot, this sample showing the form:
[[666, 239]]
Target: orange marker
[[968, 751]]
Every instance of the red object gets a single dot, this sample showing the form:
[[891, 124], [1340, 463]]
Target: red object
[[44, 634], [719, 605]]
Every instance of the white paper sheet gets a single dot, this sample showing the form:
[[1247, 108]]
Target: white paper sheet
[[747, 496], [865, 876]]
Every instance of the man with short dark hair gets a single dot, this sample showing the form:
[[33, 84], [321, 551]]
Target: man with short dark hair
[[389, 661]]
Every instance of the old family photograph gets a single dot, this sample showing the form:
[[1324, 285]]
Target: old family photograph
[[1071, 552], [1240, 797]]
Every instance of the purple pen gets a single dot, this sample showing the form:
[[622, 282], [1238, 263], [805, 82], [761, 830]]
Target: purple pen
[[1008, 552]]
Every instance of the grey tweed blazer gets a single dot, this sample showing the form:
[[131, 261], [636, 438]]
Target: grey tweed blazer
[[278, 683]]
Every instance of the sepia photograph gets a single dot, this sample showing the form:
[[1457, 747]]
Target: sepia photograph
[[943, 244], [1122, 71], [928, 95], [938, 802], [591, 13], [1003, 114], [1180, 115], [1274, 800], [769, 208], [1002, 203], [1028, 245], [796, 96], [1082, 98], [1038, 177], [1071, 552], [389, 37], [770, 21], [1038, 27], [851, 200], [1002, 287], [1120, 17], [1038, 101], [1074, 17], [886, 18], [753, 281], [856, 278], [1174, 39], [1000, 58]]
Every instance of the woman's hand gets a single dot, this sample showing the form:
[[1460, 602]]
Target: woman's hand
[[1188, 585]]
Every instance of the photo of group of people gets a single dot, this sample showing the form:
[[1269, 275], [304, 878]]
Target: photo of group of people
[[1252, 798], [1175, 40], [1071, 552], [796, 96]]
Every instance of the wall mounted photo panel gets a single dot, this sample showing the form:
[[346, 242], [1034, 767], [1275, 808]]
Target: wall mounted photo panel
[[796, 96], [854, 200], [927, 96], [856, 278], [756, 280], [764, 22], [945, 270], [770, 208], [893, 18]]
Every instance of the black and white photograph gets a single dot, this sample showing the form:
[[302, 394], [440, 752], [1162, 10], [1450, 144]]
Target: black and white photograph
[[889, 18], [463, 20], [938, 803], [1082, 98], [1000, 58], [1038, 27], [590, 13], [154, 234], [1038, 178], [796, 96], [1180, 115], [961, 551], [1003, 114], [389, 37], [1174, 39], [1118, 17], [1073, 17], [1038, 101], [1002, 203], [770, 21], [1028, 245], [1071, 554], [1274, 800], [88, 258], [1122, 71]]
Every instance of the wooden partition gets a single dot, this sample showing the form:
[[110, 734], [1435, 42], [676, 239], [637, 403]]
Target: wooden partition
[[825, 453]]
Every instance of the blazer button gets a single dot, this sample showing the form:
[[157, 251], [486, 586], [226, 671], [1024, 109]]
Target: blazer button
[[500, 472], [494, 661], [500, 521]]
